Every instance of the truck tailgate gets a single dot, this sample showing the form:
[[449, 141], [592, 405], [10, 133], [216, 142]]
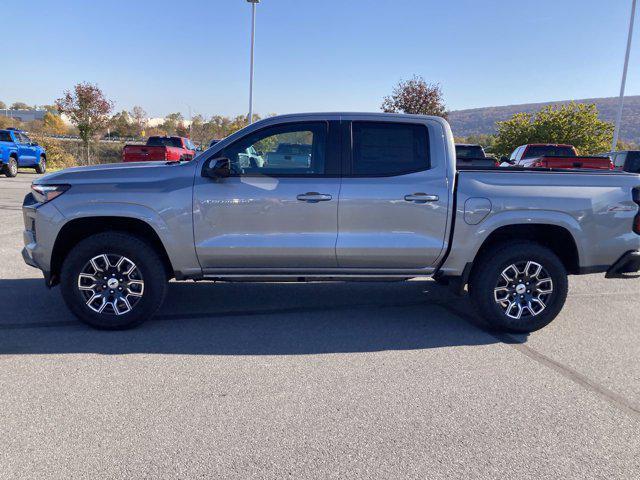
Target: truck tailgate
[[143, 153]]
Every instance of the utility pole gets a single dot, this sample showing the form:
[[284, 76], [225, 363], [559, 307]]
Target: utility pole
[[253, 34], [616, 131]]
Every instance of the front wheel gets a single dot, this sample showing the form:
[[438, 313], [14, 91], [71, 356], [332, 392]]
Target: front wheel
[[113, 281], [11, 168], [519, 287]]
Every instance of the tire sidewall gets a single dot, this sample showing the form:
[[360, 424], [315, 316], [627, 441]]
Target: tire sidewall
[[139, 252], [487, 278], [42, 166]]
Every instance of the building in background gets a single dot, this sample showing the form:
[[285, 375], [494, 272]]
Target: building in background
[[23, 115]]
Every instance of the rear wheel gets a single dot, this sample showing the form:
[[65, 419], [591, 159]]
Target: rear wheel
[[113, 281], [11, 168], [42, 166], [519, 287]]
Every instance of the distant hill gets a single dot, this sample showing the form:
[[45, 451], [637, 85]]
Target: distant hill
[[483, 120]]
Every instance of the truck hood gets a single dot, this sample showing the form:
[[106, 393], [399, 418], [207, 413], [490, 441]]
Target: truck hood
[[116, 173]]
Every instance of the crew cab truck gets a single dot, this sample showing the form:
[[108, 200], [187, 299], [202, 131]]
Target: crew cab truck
[[551, 155], [17, 150], [169, 149], [380, 198]]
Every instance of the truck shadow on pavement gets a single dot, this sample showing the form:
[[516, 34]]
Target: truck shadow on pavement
[[253, 319]]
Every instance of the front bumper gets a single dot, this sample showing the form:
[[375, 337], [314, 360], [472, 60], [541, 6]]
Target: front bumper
[[627, 263]]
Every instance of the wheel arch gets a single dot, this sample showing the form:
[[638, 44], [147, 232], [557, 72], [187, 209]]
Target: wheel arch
[[555, 237], [80, 228]]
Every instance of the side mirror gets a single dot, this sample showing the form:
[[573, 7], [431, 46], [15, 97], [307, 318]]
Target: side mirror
[[218, 168]]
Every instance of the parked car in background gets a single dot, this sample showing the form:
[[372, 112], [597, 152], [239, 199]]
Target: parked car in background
[[379, 198], [290, 154], [626, 160], [17, 150], [552, 155], [468, 155], [171, 149]]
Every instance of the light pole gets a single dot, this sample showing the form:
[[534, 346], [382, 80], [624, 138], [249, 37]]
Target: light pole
[[616, 131], [253, 35]]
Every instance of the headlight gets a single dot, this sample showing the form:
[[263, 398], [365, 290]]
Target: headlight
[[46, 193]]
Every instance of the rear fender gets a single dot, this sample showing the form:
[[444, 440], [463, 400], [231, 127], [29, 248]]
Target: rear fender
[[468, 239]]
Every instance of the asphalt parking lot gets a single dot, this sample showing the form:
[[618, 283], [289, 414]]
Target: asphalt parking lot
[[323, 380]]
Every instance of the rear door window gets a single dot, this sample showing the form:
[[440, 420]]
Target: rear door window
[[386, 149]]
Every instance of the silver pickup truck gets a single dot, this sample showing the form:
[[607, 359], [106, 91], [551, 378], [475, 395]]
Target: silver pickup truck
[[380, 198]]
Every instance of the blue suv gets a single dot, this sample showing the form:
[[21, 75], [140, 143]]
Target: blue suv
[[17, 150]]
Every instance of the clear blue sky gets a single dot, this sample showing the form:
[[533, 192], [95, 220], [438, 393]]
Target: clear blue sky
[[316, 55]]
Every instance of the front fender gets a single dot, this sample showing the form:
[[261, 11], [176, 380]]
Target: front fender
[[178, 245]]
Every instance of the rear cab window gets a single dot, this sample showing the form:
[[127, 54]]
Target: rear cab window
[[632, 162], [5, 137], [389, 148], [549, 151], [164, 142], [469, 151]]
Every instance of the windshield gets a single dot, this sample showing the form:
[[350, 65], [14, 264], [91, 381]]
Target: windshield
[[469, 151], [549, 151], [164, 142]]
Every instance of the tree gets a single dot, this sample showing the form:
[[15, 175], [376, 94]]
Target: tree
[[576, 124], [139, 117], [171, 122], [416, 96], [52, 123], [20, 106], [2, 105], [88, 109], [512, 133]]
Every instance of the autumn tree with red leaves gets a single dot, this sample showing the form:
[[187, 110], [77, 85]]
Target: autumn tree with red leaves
[[415, 96], [88, 109]]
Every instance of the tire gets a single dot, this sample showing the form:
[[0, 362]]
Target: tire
[[42, 166], [533, 297], [11, 167], [124, 296]]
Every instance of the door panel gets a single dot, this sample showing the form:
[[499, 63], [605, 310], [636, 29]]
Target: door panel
[[378, 228], [396, 221], [258, 222]]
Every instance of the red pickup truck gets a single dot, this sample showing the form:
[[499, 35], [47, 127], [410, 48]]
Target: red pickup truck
[[552, 155], [171, 149]]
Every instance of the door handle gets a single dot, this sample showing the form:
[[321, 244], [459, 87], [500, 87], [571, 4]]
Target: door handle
[[421, 198], [314, 197]]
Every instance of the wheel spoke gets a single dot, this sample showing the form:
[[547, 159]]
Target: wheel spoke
[[126, 303], [86, 276], [501, 294]]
